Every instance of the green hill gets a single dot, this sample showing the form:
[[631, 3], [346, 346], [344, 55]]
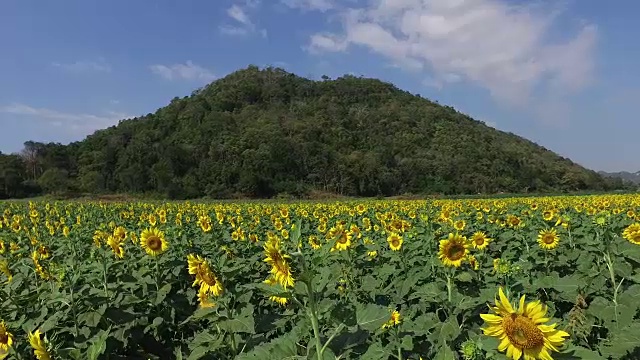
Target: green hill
[[264, 132]]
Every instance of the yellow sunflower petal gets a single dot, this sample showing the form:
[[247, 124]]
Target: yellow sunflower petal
[[505, 302], [491, 319]]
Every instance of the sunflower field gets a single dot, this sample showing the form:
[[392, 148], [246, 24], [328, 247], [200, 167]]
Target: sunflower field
[[517, 278]]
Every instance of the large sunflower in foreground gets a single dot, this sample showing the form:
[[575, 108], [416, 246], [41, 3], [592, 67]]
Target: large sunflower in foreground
[[522, 332], [6, 340], [632, 233], [153, 241], [39, 346], [453, 250]]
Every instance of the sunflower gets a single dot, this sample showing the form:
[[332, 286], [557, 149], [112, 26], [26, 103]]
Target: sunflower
[[548, 215], [453, 250], [204, 300], [205, 223], [6, 339], [523, 332], [632, 233], [208, 280], [120, 233], [153, 241], [39, 346], [479, 240], [4, 269], [313, 241], [459, 225], [473, 262], [394, 320], [395, 241], [280, 268], [343, 238], [548, 239], [116, 246], [281, 300]]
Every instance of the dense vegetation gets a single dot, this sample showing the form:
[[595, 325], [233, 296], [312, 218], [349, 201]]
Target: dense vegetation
[[264, 132]]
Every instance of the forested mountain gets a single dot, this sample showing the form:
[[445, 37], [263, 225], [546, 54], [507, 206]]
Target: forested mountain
[[264, 132], [626, 176]]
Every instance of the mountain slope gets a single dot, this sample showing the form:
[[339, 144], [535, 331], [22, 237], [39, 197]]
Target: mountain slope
[[624, 175], [264, 132]]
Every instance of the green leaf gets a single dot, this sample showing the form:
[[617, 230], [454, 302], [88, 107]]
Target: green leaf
[[578, 353], [622, 341], [98, 345], [241, 323], [464, 277], [445, 353], [375, 352], [371, 317], [162, 293], [283, 347]]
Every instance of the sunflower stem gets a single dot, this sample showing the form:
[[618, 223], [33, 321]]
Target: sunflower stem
[[104, 276], [399, 356], [449, 288], [335, 333], [312, 310], [614, 287]]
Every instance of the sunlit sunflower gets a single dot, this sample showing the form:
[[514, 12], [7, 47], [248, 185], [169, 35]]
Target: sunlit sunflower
[[480, 240], [342, 239], [522, 331], [548, 215], [279, 262], [208, 280], [313, 241], [280, 300], [153, 241], [120, 233], [395, 241], [6, 339], [453, 250], [39, 346], [394, 320], [116, 246], [473, 262], [548, 239], [204, 299], [4, 269], [459, 225], [632, 233]]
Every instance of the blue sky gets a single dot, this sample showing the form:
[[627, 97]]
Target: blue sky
[[561, 73]]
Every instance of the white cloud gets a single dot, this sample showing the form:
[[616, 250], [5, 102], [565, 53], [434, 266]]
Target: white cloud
[[319, 5], [75, 122], [243, 24], [503, 47], [186, 71], [84, 66], [236, 13]]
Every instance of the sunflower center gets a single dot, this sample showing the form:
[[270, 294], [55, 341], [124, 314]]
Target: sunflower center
[[343, 238], [522, 332], [395, 242], [548, 239], [208, 278], [636, 237], [154, 243], [456, 252], [479, 240], [4, 338]]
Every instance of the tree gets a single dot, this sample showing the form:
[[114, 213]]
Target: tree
[[54, 181]]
